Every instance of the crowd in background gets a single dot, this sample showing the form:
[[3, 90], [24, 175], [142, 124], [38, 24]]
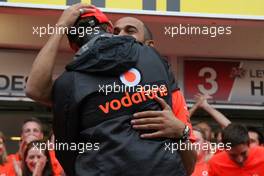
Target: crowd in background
[[31, 160], [243, 150]]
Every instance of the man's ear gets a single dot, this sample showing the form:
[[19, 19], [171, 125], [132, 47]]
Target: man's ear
[[149, 43]]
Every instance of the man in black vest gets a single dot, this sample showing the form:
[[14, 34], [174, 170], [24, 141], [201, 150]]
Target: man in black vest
[[112, 113]]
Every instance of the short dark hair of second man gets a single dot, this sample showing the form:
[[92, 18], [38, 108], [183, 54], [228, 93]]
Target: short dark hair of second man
[[235, 134]]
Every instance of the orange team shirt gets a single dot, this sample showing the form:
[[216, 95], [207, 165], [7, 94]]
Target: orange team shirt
[[56, 167], [201, 169], [180, 110], [7, 169], [222, 165]]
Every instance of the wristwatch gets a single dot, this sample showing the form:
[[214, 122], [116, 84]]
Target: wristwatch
[[185, 134]]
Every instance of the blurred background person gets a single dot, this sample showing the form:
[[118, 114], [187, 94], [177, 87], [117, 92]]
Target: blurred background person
[[6, 167], [203, 153], [218, 135], [206, 128], [36, 160], [255, 136], [202, 103], [204, 135], [32, 129], [238, 158]]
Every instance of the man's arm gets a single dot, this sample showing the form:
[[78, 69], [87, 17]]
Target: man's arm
[[166, 125], [194, 108], [222, 120], [180, 111], [39, 83], [199, 100]]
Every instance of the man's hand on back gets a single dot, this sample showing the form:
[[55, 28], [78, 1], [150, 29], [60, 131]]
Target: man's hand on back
[[164, 122]]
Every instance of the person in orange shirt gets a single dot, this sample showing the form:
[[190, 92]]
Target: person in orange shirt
[[56, 167], [37, 160], [32, 129], [256, 138], [217, 116], [238, 158], [6, 167], [203, 155]]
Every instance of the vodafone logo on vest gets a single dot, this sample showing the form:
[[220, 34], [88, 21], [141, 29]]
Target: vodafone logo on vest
[[131, 78]]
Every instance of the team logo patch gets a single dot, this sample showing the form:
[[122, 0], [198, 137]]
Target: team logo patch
[[131, 78]]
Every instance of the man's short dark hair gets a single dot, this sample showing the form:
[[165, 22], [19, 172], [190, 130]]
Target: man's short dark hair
[[147, 33], [235, 134], [36, 120], [256, 130]]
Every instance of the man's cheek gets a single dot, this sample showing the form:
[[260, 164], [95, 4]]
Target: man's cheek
[[31, 138]]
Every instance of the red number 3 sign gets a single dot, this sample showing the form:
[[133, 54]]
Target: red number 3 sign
[[208, 80], [208, 77]]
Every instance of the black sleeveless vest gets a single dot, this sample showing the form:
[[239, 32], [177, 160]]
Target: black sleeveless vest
[[87, 112]]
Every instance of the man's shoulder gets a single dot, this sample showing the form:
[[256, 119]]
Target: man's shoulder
[[257, 153], [65, 78], [14, 156], [219, 158], [220, 163], [258, 149], [63, 85]]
